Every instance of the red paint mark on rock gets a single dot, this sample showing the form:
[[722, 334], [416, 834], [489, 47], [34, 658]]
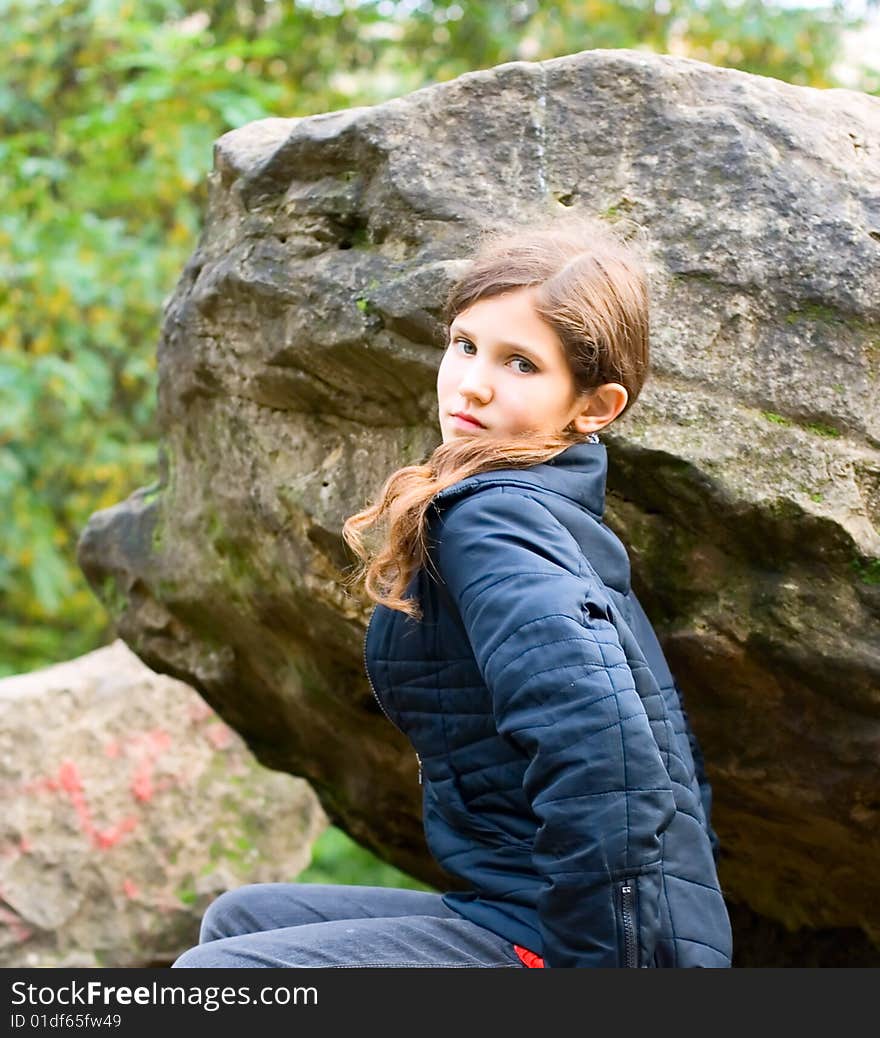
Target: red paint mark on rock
[[44, 784], [69, 780], [112, 748], [219, 735], [151, 745], [110, 837], [200, 711], [17, 927], [15, 848], [129, 888], [156, 741], [142, 782]]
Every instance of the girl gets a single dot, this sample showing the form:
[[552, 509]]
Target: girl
[[561, 781]]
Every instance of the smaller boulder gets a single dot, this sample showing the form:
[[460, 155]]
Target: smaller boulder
[[126, 807]]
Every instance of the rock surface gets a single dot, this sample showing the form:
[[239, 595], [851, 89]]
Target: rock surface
[[127, 806], [297, 363]]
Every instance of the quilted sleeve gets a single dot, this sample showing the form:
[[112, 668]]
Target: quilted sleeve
[[563, 692]]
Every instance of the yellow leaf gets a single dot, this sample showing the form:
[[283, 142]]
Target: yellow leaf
[[179, 233]]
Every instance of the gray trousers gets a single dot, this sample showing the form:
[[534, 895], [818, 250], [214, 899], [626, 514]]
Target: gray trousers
[[323, 925]]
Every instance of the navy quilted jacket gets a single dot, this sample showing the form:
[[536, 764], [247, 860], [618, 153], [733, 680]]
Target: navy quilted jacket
[[561, 780]]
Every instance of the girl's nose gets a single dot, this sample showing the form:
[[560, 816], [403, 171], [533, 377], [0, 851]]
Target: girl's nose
[[475, 385]]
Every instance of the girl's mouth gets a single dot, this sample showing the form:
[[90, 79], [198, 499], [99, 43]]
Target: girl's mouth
[[467, 423]]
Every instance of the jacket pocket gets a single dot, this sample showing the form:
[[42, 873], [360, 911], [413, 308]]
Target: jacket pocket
[[627, 917]]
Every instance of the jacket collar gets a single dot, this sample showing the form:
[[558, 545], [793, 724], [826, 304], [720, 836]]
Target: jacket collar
[[578, 473]]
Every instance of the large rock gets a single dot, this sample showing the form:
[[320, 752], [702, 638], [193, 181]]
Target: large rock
[[297, 364], [127, 806]]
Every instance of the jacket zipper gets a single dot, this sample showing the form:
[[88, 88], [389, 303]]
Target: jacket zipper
[[375, 693], [627, 905]]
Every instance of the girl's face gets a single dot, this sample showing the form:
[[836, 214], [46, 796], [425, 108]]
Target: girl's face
[[505, 368]]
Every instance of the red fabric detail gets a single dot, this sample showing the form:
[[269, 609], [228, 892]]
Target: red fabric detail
[[528, 958]]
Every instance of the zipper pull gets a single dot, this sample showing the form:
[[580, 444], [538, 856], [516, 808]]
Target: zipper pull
[[419, 759], [630, 936]]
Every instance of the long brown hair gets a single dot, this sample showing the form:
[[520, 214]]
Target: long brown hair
[[591, 289]]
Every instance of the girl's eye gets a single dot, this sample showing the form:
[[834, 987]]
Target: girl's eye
[[530, 367]]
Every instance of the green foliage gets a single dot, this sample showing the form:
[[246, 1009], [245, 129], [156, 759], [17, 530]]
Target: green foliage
[[109, 110], [867, 570], [822, 429], [336, 858]]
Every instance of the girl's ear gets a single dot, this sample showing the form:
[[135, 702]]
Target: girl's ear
[[602, 406]]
